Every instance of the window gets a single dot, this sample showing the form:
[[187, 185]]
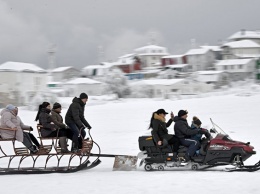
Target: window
[[240, 66]]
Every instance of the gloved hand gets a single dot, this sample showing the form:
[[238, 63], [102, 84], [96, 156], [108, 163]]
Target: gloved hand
[[89, 127], [172, 115], [203, 131], [31, 129]]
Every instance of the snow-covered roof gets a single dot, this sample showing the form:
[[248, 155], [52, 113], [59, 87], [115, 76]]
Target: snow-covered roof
[[125, 60], [127, 56], [248, 55], [209, 72], [152, 50], [242, 44], [172, 56], [165, 82], [233, 62], [149, 47], [104, 65], [177, 65], [20, 67], [213, 48], [199, 51], [243, 34], [83, 81], [61, 69]]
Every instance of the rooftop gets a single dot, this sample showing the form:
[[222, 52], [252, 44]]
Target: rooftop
[[20, 67]]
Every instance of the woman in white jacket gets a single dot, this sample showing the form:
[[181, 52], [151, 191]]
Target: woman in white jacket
[[10, 127]]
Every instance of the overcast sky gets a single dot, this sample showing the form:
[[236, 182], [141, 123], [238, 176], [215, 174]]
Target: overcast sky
[[79, 28]]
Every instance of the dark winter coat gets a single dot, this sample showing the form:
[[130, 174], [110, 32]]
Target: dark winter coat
[[46, 121], [57, 119], [159, 128], [75, 114], [182, 129]]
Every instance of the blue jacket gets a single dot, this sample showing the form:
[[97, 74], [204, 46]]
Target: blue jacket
[[198, 136]]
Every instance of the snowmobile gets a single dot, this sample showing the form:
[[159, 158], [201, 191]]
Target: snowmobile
[[217, 149]]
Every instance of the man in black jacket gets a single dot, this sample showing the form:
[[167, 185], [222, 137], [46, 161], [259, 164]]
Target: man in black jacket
[[76, 121], [183, 131]]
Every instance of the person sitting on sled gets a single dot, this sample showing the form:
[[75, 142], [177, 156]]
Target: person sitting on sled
[[160, 131], [183, 131], [58, 120], [49, 129], [76, 121], [27, 128], [9, 120]]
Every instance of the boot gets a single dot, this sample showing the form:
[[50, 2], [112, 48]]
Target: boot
[[187, 158], [33, 149], [63, 145], [74, 148], [175, 157]]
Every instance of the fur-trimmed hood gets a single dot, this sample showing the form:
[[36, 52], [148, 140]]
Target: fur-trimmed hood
[[158, 117]]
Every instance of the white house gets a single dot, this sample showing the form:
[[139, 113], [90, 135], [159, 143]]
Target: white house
[[218, 78], [174, 71], [200, 59], [240, 49], [246, 35], [128, 63], [151, 55], [96, 71], [238, 69], [64, 73], [78, 85], [22, 81], [164, 88], [216, 50]]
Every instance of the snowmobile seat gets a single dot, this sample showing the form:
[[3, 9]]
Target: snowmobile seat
[[147, 143]]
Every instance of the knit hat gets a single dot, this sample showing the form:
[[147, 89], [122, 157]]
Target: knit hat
[[56, 105], [196, 121], [10, 107], [83, 96], [182, 113], [161, 111]]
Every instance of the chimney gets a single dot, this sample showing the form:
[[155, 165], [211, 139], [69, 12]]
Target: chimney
[[243, 31]]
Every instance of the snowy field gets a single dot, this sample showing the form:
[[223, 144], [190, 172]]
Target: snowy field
[[116, 126]]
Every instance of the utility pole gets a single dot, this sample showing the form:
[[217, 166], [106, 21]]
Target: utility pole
[[51, 54]]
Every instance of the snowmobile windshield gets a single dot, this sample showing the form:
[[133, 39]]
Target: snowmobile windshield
[[218, 130]]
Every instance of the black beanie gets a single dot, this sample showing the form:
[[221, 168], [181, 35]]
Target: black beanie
[[56, 105], [83, 96], [182, 113]]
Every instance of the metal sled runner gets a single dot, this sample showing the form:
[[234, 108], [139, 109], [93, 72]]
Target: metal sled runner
[[49, 158]]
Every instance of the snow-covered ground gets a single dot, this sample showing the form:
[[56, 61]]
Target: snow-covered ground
[[117, 126]]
